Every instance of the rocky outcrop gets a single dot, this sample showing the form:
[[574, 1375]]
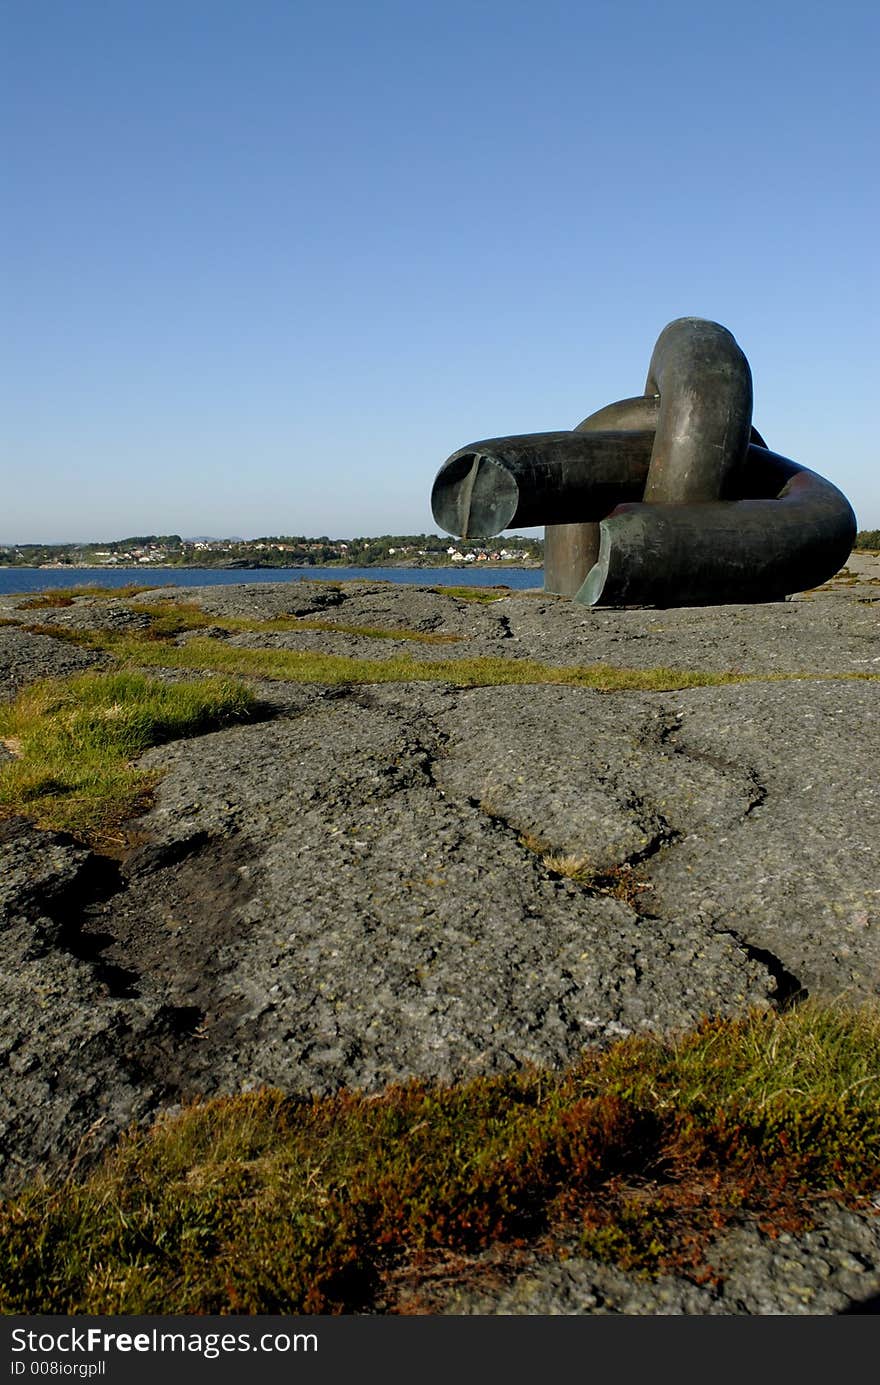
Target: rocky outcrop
[[371, 883]]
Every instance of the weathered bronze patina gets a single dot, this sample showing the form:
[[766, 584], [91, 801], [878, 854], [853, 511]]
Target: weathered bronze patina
[[671, 498]]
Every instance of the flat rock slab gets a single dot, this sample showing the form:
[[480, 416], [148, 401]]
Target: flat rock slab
[[25, 657], [375, 882], [752, 810]]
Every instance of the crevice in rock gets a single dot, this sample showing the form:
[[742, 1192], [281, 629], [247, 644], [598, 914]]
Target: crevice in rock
[[759, 796], [97, 880], [618, 879], [663, 736], [162, 855], [790, 990], [66, 907], [424, 751], [122, 983], [427, 756], [637, 969], [337, 692], [657, 828], [863, 1305]]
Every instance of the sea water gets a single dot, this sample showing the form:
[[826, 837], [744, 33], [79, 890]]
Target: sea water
[[30, 579]]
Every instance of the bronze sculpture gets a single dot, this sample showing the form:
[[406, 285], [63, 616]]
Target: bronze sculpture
[[670, 498]]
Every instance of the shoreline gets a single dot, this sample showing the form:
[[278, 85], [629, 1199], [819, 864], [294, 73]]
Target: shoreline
[[269, 567]]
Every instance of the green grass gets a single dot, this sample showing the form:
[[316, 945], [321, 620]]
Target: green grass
[[171, 618], [86, 639], [302, 666], [168, 619], [265, 1204], [74, 740], [155, 647], [621, 882], [332, 669], [88, 788], [66, 597]]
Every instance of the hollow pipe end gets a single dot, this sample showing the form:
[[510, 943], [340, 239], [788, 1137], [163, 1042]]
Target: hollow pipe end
[[474, 495], [590, 591]]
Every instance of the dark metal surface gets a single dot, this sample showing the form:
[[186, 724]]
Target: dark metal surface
[[742, 550], [668, 498], [570, 550], [539, 478], [705, 390]]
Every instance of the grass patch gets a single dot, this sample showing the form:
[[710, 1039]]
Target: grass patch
[[48, 601], [266, 1204], [168, 619], [154, 647], [300, 666], [171, 618], [129, 590], [86, 639], [52, 600], [620, 882], [74, 740], [332, 669]]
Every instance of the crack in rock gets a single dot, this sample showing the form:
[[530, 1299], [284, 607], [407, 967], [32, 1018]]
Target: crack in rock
[[790, 991]]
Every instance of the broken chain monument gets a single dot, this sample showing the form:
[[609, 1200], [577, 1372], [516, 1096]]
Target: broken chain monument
[[671, 498]]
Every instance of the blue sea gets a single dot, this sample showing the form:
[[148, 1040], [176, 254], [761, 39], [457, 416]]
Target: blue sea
[[30, 579]]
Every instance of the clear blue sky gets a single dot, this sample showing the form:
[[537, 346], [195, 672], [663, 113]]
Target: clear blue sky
[[268, 262]]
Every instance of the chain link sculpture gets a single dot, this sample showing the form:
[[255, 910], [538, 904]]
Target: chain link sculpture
[[671, 498]]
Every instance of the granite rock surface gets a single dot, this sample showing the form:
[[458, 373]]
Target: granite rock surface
[[371, 883]]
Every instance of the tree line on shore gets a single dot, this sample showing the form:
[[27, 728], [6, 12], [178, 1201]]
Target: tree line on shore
[[417, 550], [425, 550]]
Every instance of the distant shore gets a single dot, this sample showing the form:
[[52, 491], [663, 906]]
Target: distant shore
[[236, 566]]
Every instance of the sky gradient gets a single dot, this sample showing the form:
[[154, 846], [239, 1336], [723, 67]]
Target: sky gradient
[[268, 263]]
